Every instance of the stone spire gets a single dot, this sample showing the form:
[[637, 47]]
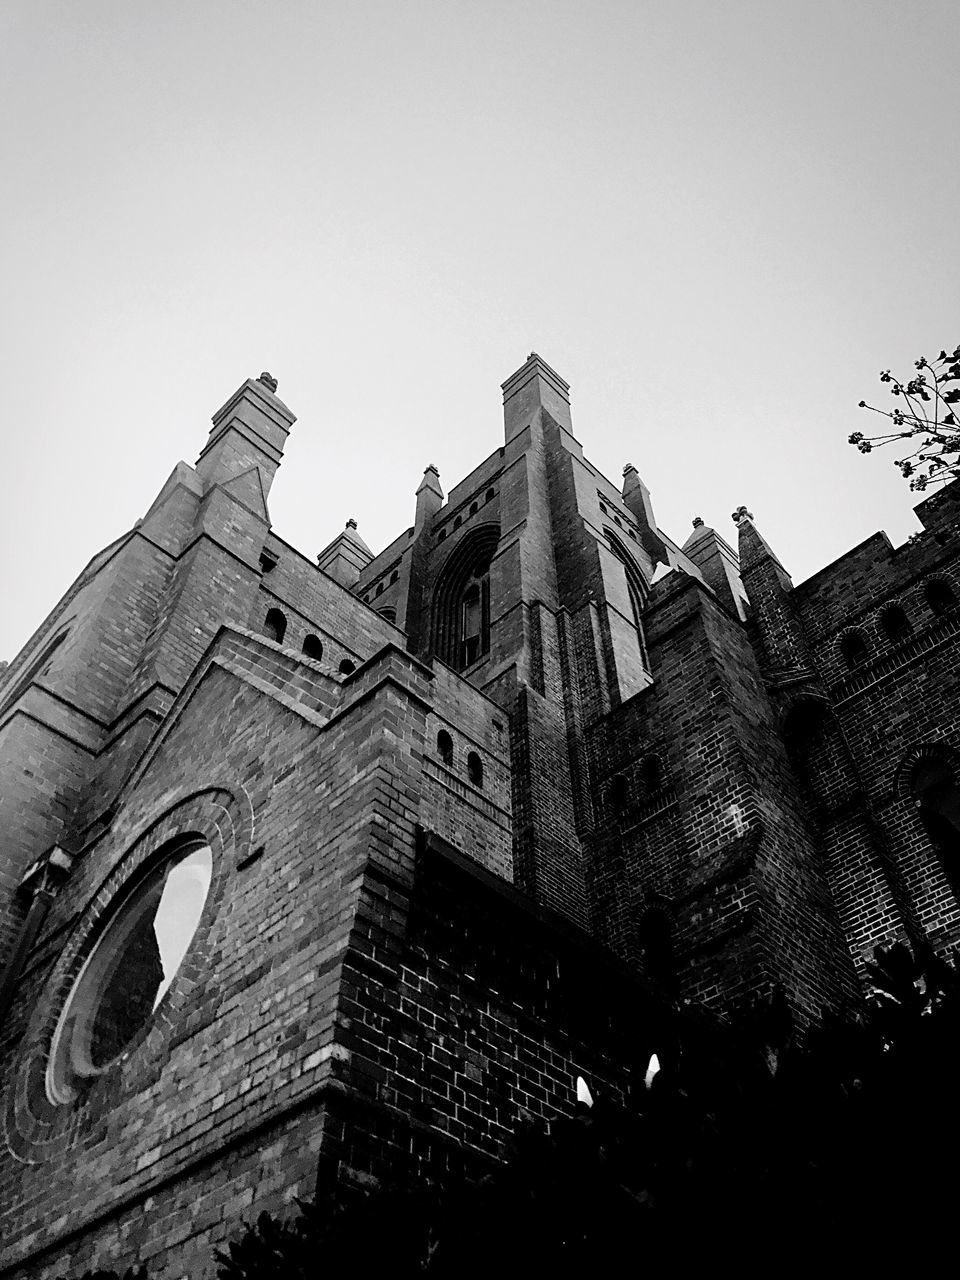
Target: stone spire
[[429, 499], [346, 556], [636, 498], [769, 588], [533, 387], [249, 433], [718, 563]]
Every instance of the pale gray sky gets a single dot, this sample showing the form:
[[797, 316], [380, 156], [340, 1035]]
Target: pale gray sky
[[718, 220]]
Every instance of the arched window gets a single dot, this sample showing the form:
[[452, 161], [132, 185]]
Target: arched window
[[488, 496], [347, 667], [636, 586], [853, 648], [394, 577], [820, 759], [275, 625], [445, 747], [895, 623], [313, 647], [935, 787], [461, 611], [379, 590], [940, 597], [617, 792], [475, 769], [474, 508], [650, 774]]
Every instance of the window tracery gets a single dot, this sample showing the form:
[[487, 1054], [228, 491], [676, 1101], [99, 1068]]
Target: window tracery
[[462, 600]]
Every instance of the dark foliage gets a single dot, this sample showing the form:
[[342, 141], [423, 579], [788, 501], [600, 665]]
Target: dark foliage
[[132, 1273], [749, 1149], [925, 415]]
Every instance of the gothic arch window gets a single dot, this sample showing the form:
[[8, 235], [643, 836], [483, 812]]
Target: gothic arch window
[[895, 623], [939, 594], [313, 647], [475, 769], [817, 753], [275, 625], [853, 648], [933, 779], [636, 586], [461, 602]]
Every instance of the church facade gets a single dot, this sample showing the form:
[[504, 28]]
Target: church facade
[[345, 864]]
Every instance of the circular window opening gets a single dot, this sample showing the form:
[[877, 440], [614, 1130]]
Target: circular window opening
[[133, 962]]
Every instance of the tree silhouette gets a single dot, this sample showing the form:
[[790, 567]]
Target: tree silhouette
[[926, 417], [754, 1146]]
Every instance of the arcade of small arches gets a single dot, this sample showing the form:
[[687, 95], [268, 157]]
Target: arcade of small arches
[[275, 628], [893, 624], [446, 754]]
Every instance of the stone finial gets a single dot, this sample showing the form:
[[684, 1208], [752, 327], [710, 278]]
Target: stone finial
[[269, 381], [534, 355], [432, 467], [351, 523], [741, 513], [628, 468], [698, 522]]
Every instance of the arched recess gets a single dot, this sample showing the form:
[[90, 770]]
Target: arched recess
[[844, 823], [816, 750], [636, 585], [929, 777], [275, 625], [461, 599]]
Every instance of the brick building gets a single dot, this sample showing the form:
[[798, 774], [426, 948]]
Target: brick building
[[361, 857]]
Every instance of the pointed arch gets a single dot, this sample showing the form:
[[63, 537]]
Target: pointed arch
[[461, 599], [636, 583], [817, 751], [929, 776]]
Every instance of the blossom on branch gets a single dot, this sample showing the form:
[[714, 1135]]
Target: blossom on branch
[[925, 418]]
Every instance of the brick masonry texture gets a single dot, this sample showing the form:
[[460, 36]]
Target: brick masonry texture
[[438, 896]]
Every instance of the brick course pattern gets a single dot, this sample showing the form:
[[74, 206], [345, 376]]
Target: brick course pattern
[[440, 896]]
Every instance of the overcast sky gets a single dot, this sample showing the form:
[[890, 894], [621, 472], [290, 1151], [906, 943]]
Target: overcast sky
[[718, 219]]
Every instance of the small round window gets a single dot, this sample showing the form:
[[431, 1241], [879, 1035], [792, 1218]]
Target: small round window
[[130, 968]]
